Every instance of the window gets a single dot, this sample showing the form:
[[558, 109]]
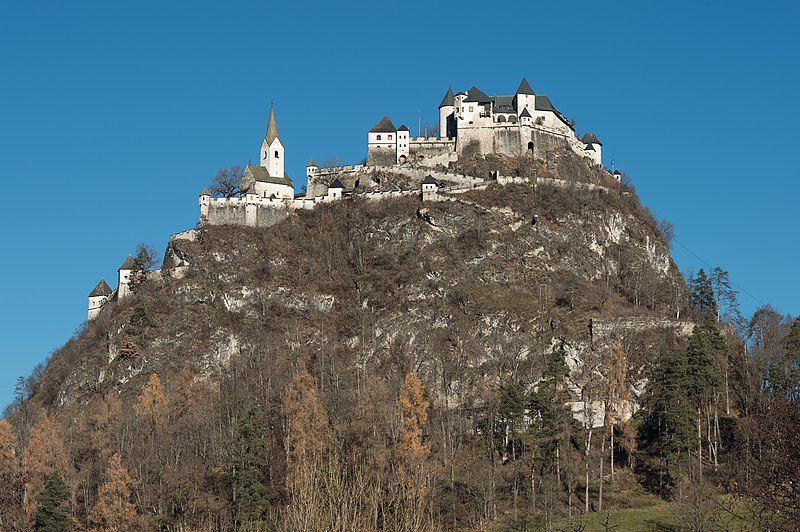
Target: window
[[276, 154], [378, 137], [471, 108], [389, 137]]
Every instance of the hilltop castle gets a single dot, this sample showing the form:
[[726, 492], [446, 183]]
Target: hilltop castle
[[470, 123], [473, 123]]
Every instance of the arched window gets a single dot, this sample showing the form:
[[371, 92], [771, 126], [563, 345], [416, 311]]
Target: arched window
[[530, 146], [512, 119], [501, 118], [276, 154]]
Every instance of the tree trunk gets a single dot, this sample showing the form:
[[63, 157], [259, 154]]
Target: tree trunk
[[602, 457], [699, 446], [612, 454], [558, 466], [586, 466]]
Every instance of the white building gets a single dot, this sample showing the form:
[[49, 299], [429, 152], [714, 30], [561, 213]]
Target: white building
[[124, 273], [98, 297], [473, 123]]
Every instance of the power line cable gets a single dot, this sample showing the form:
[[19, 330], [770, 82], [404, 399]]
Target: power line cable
[[698, 257]]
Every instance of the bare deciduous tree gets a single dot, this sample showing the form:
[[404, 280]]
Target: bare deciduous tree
[[227, 182]]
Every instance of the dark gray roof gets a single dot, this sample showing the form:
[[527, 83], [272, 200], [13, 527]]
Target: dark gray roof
[[525, 88], [336, 184], [384, 126], [503, 104], [590, 138], [205, 192], [311, 162], [589, 147], [259, 173], [429, 180], [543, 103], [525, 114], [129, 264], [477, 95], [102, 289], [272, 127], [449, 99], [617, 172], [403, 128]]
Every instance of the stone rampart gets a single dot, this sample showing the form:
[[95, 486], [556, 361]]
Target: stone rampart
[[603, 327]]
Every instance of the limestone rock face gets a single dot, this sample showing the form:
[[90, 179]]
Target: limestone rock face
[[467, 290]]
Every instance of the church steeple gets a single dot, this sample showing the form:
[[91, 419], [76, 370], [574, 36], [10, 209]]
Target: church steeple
[[272, 126], [272, 147]]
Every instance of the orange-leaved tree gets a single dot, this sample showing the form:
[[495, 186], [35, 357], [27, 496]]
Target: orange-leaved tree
[[45, 453], [114, 509]]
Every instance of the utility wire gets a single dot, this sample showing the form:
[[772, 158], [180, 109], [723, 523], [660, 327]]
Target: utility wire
[[698, 257]]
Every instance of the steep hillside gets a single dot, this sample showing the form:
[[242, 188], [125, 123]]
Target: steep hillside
[[471, 294]]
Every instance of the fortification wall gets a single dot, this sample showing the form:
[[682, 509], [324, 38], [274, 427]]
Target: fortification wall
[[603, 327], [381, 156], [545, 141], [240, 213], [432, 151]]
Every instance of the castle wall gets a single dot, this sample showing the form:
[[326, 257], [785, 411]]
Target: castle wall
[[241, 213], [381, 156], [432, 151], [544, 142]]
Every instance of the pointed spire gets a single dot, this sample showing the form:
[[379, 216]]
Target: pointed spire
[[272, 126], [525, 88], [449, 99], [102, 289]]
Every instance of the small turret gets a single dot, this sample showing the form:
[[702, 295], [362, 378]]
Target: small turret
[[429, 188], [593, 147], [311, 169], [335, 189], [98, 298], [205, 200], [124, 272]]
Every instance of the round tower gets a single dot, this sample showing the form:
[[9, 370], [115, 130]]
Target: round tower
[[446, 109], [97, 298]]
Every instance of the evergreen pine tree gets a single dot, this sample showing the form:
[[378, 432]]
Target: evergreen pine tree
[[668, 426], [702, 294], [53, 511], [251, 499], [552, 422]]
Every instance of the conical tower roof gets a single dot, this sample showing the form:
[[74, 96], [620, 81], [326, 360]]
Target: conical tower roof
[[272, 126], [129, 264], [449, 99], [102, 289], [590, 138], [525, 88]]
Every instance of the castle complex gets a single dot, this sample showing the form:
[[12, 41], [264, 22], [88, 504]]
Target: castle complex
[[470, 123], [473, 123]]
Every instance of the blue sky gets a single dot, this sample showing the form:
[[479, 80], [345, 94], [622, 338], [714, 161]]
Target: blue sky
[[113, 117]]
